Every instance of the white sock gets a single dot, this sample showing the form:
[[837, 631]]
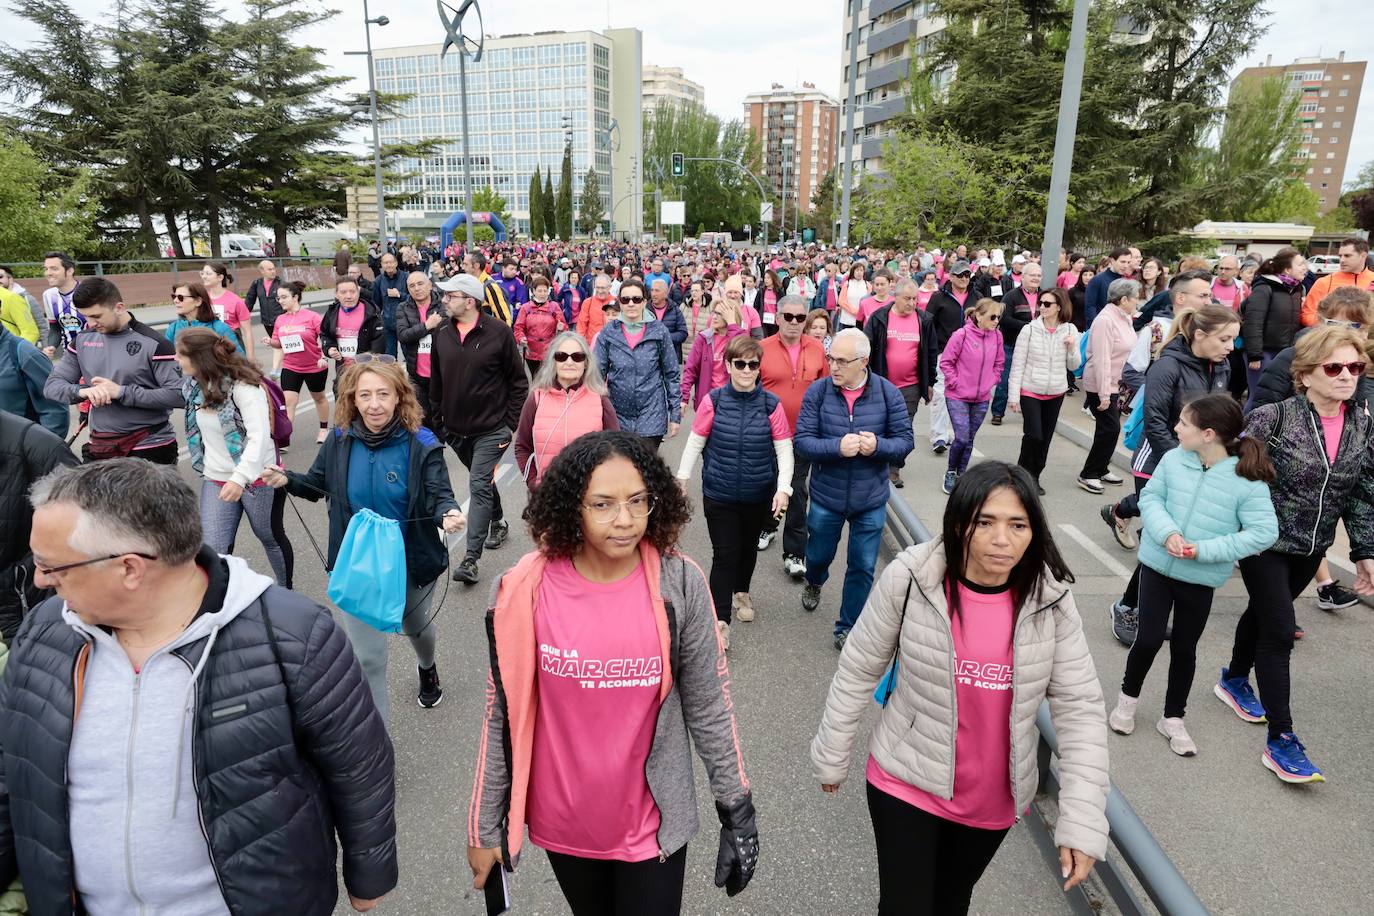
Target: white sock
[[1326, 583]]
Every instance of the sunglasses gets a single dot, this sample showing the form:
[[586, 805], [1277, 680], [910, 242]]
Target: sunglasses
[[1049, 304], [561, 357], [628, 300], [374, 357], [180, 298], [792, 316], [745, 365], [1334, 369], [1337, 323], [994, 318]]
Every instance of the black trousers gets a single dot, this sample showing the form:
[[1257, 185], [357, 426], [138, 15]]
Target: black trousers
[[653, 442], [421, 386], [734, 530], [1264, 633], [1108, 430], [533, 365], [911, 396], [927, 866], [1129, 507], [608, 887], [1038, 420], [794, 523], [1191, 604], [166, 453]]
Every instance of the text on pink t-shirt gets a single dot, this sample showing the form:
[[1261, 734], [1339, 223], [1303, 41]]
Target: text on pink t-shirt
[[422, 349], [1331, 432], [230, 309], [299, 335], [600, 670], [903, 348], [982, 686]]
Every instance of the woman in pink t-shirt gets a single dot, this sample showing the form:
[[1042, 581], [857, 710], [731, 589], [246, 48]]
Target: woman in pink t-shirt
[[974, 630], [226, 303], [604, 644], [297, 334]]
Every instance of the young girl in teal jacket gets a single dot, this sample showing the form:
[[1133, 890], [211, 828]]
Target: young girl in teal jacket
[[1206, 506]]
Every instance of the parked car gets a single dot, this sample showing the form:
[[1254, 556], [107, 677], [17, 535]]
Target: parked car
[[1324, 263]]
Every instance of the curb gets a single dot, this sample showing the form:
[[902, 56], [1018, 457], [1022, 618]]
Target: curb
[[1121, 459]]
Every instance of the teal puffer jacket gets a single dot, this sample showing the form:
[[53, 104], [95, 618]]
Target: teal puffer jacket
[[1227, 516]]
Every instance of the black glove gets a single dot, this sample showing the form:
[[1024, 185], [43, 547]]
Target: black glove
[[739, 845]]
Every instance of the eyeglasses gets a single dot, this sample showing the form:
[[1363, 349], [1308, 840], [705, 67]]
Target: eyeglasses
[[792, 316], [840, 362], [994, 318], [628, 300], [1337, 323], [54, 570], [1334, 369], [180, 298], [364, 358], [605, 511], [745, 365], [562, 357]]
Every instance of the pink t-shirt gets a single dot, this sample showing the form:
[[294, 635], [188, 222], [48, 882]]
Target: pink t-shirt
[[982, 688], [851, 397], [422, 352], [903, 348], [770, 301], [230, 309], [923, 298], [1331, 432], [751, 317], [1226, 295], [871, 305], [299, 336], [633, 337], [347, 325], [1067, 280], [706, 417], [718, 373], [959, 297], [600, 670], [794, 354]]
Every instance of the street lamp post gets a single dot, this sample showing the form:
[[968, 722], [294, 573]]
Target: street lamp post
[[368, 23], [846, 189], [455, 36], [608, 138]]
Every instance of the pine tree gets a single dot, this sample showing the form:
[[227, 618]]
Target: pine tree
[[548, 204], [536, 206], [590, 207], [564, 205]]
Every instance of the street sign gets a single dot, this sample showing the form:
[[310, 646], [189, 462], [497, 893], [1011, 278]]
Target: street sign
[[765, 212], [679, 165], [672, 213]]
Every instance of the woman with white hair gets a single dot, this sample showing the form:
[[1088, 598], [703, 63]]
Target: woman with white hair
[[1110, 341], [567, 399]]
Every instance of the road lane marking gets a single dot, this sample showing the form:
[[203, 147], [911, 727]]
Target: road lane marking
[[503, 470], [1087, 543]]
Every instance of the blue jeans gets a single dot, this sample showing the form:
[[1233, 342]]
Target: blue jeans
[[999, 397], [390, 334], [823, 538]]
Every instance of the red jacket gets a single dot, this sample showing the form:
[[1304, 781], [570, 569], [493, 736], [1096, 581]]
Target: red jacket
[[537, 325], [778, 377]]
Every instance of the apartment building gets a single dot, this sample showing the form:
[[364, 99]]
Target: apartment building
[[797, 130], [668, 86]]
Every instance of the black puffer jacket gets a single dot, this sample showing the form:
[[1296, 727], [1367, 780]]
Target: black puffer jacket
[[280, 766], [1174, 379], [1276, 382], [27, 452], [1269, 318]]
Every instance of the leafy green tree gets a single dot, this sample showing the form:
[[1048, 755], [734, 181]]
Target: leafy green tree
[[536, 206], [822, 215], [590, 208], [713, 193], [564, 204], [486, 200], [1363, 179], [548, 204], [1249, 175], [40, 210]]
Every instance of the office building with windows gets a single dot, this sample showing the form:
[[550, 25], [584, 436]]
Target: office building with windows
[[1329, 90], [527, 97], [668, 86], [797, 131]]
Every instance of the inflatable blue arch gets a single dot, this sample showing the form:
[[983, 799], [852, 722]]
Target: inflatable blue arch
[[478, 219]]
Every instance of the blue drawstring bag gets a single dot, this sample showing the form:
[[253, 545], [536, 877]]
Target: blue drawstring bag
[[883, 692], [369, 576], [1082, 355]]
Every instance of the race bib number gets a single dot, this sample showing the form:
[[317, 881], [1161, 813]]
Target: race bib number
[[218, 310], [770, 317], [847, 319], [348, 347], [426, 343], [292, 343], [996, 290]]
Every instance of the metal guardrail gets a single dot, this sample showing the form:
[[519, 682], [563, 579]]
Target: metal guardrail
[[1139, 851]]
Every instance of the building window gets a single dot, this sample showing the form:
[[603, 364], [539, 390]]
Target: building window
[[1336, 125], [1317, 126], [522, 57], [1333, 140], [1325, 171], [1343, 93], [1321, 200], [525, 79], [1325, 93], [1330, 155], [1340, 109], [1345, 76], [498, 58], [1323, 184], [1310, 171], [549, 54]]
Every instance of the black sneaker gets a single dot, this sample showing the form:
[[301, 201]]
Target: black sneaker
[[939, 447], [997, 419], [466, 571], [497, 534], [1335, 596], [841, 638], [895, 478], [430, 692], [811, 597]]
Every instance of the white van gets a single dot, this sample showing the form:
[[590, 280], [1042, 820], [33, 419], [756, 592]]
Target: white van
[[235, 245]]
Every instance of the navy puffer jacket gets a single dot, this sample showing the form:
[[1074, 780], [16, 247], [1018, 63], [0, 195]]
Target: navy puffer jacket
[[739, 464], [858, 484]]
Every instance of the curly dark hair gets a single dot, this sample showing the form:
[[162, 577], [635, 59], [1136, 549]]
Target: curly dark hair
[[554, 513]]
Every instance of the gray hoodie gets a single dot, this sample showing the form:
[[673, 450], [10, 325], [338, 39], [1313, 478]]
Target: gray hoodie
[[137, 841]]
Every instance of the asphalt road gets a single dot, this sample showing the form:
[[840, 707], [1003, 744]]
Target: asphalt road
[[1245, 842]]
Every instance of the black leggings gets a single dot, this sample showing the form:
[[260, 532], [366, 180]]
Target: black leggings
[[734, 530], [1191, 604], [1129, 507], [1105, 433], [926, 864], [608, 887], [1038, 420], [1264, 633]]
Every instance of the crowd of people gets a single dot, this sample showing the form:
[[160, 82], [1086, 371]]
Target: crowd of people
[[1241, 387]]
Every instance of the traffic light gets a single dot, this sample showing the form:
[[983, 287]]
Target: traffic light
[[678, 165]]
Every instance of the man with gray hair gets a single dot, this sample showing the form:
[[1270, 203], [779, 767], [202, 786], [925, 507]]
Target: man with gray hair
[[220, 719], [852, 427]]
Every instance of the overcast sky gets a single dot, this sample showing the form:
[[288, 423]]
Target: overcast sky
[[733, 48]]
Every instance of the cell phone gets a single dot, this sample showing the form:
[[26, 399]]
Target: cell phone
[[777, 516], [497, 890]]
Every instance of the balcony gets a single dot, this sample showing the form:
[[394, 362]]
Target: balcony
[[872, 147], [890, 72], [893, 35], [890, 107], [879, 8]]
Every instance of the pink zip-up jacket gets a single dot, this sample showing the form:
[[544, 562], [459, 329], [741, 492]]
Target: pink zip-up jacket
[[972, 362], [1110, 341]]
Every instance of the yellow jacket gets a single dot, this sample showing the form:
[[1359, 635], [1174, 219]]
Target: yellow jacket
[[16, 317]]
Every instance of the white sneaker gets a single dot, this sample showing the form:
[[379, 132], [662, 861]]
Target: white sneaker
[[766, 539], [744, 608], [1113, 478], [1179, 740], [1092, 485], [723, 630], [794, 566], [1122, 719]]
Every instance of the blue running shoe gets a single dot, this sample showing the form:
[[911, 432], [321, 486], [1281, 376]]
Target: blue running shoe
[[1236, 693], [1286, 756]]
